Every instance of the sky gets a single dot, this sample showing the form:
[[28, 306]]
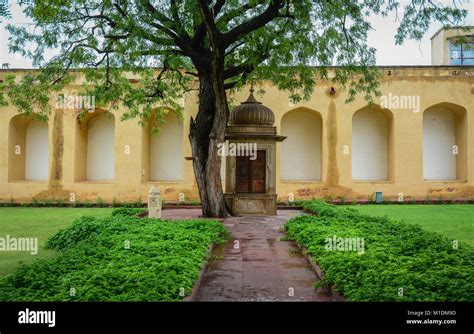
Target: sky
[[381, 38]]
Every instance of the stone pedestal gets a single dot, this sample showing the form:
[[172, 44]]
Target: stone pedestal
[[252, 204], [154, 203]]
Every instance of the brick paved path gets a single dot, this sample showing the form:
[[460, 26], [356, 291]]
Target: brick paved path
[[263, 268]]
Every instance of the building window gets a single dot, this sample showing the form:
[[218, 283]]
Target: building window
[[462, 53]]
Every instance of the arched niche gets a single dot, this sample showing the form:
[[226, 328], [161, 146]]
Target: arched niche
[[372, 144], [300, 158], [163, 158], [36, 160], [95, 147], [28, 157], [444, 142]]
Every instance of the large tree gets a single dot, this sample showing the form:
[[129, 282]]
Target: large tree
[[172, 46], [4, 10]]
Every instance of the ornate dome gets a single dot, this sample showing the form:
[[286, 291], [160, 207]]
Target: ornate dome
[[251, 112]]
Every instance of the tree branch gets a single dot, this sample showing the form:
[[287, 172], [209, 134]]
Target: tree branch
[[272, 11], [209, 22], [227, 17], [217, 7]]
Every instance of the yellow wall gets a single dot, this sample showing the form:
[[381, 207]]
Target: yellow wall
[[433, 85]]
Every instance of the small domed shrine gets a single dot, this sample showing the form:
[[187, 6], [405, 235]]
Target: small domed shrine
[[251, 159], [252, 112]]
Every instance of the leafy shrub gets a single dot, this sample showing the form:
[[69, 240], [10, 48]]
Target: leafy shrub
[[396, 255], [320, 208], [138, 203], [47, 202], [427, 199], [100, 202], [115, 202], [35, 202], [128, 211], [117, 258], [60, 202], [342, 199], [371, 198], [327, 198], [81, 229]]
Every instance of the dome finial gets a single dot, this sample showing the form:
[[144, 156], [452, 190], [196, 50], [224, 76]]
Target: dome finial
[[251, 98]]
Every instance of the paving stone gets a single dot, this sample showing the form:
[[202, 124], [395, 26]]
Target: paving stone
[[263, 268]]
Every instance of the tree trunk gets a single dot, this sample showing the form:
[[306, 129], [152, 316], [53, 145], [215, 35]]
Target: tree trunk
[[206, 132]]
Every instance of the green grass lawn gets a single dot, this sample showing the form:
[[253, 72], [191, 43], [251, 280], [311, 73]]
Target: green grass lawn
[[453, 220], [38, 223]]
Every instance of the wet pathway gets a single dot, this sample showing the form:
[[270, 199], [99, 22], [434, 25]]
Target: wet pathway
[[256, 266]]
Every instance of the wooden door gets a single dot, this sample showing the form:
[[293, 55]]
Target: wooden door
[[251, 174]]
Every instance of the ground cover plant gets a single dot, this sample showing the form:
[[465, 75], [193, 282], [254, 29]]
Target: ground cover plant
[[117, 258], [400, 262]]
